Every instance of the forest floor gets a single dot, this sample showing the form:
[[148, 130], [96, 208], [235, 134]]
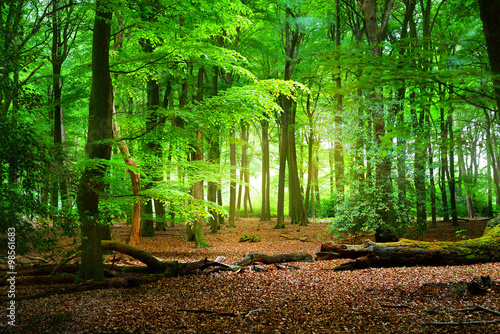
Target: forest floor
[[296, 297]]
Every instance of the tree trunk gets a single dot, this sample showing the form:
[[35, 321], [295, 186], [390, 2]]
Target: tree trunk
[[310, 160], [283, 148], [419, 166], [214, 158], [266, 189], [490, 144], [135, 178], [490, 12], [451, 180], [199, 221], [444, 163], [375, 35], [293, 38], [468, 199], [99, 133], [297, 211], [338, 146], [406, 253], [232, 186]]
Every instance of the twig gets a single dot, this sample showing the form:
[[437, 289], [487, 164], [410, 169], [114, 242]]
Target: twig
[[36, 258], [461, 323], [397, 306], [303, 239], [199, 311], [477, 308], [471, 309], [253, 311], [62, 264]]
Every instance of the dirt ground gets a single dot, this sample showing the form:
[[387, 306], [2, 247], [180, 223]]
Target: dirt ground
[[291, 298]]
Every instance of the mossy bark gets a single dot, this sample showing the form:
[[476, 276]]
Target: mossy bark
[[418, 253]]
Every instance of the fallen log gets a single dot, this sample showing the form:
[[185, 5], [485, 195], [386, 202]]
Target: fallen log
[[418, 253], [270, 259], [159, 269], [155, 265]]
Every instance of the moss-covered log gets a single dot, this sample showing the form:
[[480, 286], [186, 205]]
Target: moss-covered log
[[418, 253]]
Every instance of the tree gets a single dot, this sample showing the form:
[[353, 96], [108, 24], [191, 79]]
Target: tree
[[375, 35], [293, 38], [91, 185]]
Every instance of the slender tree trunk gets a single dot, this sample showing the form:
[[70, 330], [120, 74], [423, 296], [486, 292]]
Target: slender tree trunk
[[199, 234], [266, 210], [338, 147], [451, 182], [490, 144], [135, 178], [461, 167], [331, 162], [432, 185], [99, 132], [444, 164], [232, 187], [214, 158], [58, 57], [283, 148], [310, 167], [490, 189]]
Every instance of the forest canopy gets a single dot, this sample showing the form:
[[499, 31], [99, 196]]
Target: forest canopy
[[376, 115]]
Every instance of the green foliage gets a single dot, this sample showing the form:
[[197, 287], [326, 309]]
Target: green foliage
[[24, 170]]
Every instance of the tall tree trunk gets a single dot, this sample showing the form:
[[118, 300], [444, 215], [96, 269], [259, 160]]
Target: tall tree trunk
[[244, 131], [214, 158], [490, 12], [199, 234], [310, 158], [232, 186], [297, 213], [444, 163], [265, 210], [490, 189], [432, 185], [160, 211], [461, 167], [492, 156], [331, 163], [99, 133], [58, 57], [419, 167], [338, 147], [135, 178], [451, 182], [283, 148], [375, 35]]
